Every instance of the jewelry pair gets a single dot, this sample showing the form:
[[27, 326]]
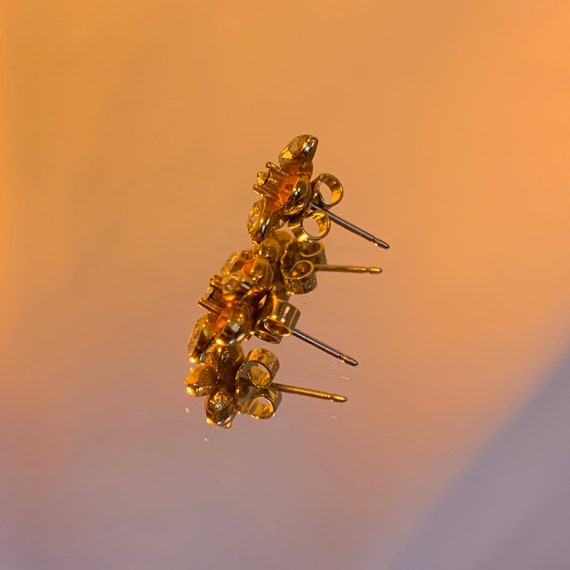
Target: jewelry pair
[[250, 295]]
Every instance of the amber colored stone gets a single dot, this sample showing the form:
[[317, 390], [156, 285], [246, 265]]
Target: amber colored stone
[[299, 152], [201, 338], [234, 324], [201, 381]]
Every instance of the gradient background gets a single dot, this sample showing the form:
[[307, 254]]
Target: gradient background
[[130, 136]]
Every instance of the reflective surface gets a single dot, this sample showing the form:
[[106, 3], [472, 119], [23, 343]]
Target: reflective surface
[[131, 130]]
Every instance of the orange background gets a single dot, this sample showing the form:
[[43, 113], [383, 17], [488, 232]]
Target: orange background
[[130, 136]]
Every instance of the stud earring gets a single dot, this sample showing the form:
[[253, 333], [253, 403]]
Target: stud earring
[[301, 261], [250, 294], [232, 384], [289, 197]]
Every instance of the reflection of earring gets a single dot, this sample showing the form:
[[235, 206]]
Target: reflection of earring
[[232, 384], [302, 259], [250, 295], [258, 395], [279, 319]]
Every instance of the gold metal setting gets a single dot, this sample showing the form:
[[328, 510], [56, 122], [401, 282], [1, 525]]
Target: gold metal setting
[[250, 295]]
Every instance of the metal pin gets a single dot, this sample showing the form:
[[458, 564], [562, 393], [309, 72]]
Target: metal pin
[[349, 268], [324, 347], [308, 392], [351, 227]]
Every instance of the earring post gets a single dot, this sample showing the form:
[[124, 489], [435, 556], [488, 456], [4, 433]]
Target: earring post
[[324, 347], [309, 392], [350, 269], [352, 228]]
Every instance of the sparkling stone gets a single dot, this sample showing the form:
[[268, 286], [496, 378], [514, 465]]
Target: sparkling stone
[[301, 149]]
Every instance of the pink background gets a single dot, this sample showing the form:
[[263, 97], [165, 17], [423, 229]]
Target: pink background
[[130, 135]]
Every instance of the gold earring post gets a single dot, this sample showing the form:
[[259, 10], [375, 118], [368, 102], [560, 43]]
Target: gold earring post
[[309, 392], [350, 268]]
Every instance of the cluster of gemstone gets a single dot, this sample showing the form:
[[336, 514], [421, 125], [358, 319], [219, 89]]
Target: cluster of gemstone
[[250, 295]]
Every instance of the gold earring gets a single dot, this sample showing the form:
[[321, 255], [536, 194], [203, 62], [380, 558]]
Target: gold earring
[[250, 294]]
